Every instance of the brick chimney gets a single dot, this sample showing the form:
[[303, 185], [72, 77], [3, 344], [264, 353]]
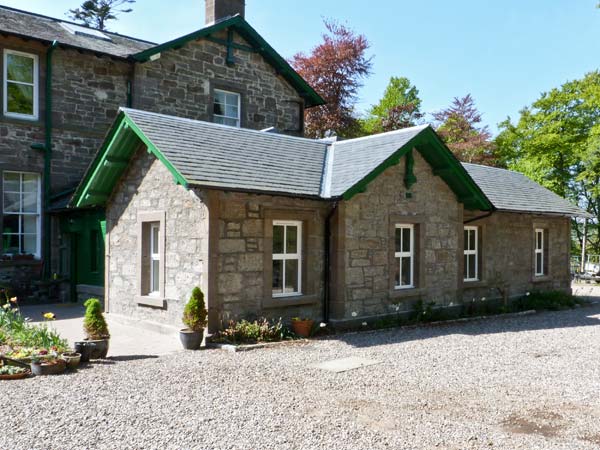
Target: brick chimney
[[221, 9]]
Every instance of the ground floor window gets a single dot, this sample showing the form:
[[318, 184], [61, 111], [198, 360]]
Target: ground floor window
[[21, 213], [471, 254], [405, 256], [287, 258], [539, 252]]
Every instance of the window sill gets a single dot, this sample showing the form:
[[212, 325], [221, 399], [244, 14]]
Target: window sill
[[285, 302], [406, 293], [541, 279], [145, 300]]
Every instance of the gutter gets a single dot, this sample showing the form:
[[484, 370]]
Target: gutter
[[327, 260], [48, 160], [474, 219]]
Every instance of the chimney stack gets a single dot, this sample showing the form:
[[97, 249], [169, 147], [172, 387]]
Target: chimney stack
[[220, 9]]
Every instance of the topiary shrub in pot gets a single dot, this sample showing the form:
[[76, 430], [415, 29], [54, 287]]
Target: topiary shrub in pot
[[96, 330], [194, 318]]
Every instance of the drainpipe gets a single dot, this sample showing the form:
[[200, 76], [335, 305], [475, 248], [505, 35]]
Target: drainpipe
[[327, 259], [48, 161]]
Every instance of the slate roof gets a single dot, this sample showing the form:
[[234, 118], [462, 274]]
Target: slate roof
[[47, 29], [213, 155], [513, 191], [209, 154]]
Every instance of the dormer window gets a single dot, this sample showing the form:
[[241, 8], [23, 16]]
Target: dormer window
[[226, 110], [20, 85]]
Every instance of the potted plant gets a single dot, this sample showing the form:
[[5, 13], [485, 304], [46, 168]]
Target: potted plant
[[96, 330], [47, 365], [194, 318], [72, 359], [302, 327]]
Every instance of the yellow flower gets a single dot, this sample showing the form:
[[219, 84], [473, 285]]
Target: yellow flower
[[49, 316]]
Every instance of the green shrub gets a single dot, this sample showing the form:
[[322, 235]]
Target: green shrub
[[261, 330], [194, 313], [94, 324], [551, 301], [16, 332]]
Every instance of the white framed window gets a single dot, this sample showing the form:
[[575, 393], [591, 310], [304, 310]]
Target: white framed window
[[405, 256], [20, 86], [154, 259], [471, 254], [287, 258], [539, 252], [227, 108], [21, 213]]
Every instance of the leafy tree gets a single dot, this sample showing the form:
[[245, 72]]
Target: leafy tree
[[460, 127], [400, 107], [95, 13], [335, 68], [556, 142]]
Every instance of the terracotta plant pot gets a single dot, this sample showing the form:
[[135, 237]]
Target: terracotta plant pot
[[191, 340], [302, 328], [55, 367]]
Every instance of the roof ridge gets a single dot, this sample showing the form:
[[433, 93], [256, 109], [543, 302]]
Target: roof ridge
[[226, 127], [56, 19], [388, 133], [497, 168]]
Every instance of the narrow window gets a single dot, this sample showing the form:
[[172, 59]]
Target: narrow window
[[404, 252], [539, 252], [21, 213], [154, 259], [20, 85], [226, 109], [287, 258], [471, 252]]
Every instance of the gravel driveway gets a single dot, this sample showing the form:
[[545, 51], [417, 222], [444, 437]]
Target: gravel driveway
[[530, 382]]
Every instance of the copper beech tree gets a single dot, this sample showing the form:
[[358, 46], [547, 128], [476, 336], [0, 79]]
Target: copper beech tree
[[335, 68]]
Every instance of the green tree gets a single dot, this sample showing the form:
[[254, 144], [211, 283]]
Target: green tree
[[400, 107], [460, 127], [556, 142], [95, 13]]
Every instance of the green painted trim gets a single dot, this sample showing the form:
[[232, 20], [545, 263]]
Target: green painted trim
[[257, 42], [450, 168], [244, 48], [409, 177]]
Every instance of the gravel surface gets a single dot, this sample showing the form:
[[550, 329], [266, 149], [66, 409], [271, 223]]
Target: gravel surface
[[528, 382]]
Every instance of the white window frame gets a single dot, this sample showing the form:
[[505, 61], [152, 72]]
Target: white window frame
[[38, 213], [539, 271], [239, 107], [471, 252], [35, 85], [399, 255], [154, 259], [289, 256]]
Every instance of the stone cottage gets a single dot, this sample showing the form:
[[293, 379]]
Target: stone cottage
[[62, 86], [281, 226]]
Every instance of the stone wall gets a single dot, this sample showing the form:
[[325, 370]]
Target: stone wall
[[241, 255], [182, 81], [148, 187], [507, 255], [367, 222]]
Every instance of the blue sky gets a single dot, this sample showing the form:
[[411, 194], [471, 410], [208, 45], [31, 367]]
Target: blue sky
[[505, 53]]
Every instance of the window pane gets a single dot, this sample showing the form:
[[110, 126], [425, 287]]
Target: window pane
[[230, 122], [220, 97], [155, 235], [30, 203], [471, 272], [538, 263], [277, 276], [219, 109], [397, 274], [231, 111], [220, 120], [466, 266], [291, 276], [466, 241], [30, 183], [155, 275], [292, 240], [398, 243], [29, 244], [472, 244], [19, 68], [12, 182], [20, 99], [29, 224], [406, 272], [12, 202], [406, 239], [231, 99], [10, 243], [10, 224], [278, 239], [539, 240]]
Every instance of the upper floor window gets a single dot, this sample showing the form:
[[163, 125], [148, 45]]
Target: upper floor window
[[20, 85], [287, 258], [226, 109], [21, 209], [405, 256], [471, 256], [539, 252]]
